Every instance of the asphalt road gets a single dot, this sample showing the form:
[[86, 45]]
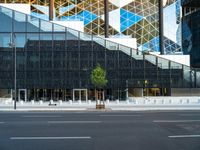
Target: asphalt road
[[178, 130]]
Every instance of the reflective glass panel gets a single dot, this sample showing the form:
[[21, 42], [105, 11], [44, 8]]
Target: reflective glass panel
[[5, 39], [20, 40], [19, 22], [6, 20], [32, 24], [45, 26], [58, 28]]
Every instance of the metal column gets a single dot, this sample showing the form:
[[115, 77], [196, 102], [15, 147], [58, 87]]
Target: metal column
[[161, 29], [51, 8], [106, 18]]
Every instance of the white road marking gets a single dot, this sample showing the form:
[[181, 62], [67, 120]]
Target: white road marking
[[50, 138], [120, 115], [41, 116], [175, 121], [184, 136], [189, 114], [73, 122]]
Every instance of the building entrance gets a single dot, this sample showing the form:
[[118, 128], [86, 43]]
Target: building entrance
[[22, 96], [80, 94]]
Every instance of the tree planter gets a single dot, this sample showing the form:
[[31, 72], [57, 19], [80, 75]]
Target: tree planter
[[100, 106], [98, 79]]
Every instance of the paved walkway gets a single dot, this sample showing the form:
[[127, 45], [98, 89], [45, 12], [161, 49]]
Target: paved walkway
[[112, 106]]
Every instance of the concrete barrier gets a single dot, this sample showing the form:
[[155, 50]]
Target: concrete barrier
[[32, 102], [107, 101], [21, 102], [70, 102], [89, 102], [60, 102], [79, 102], [40, 102], [127, 101], [165, 100], [117, 101]]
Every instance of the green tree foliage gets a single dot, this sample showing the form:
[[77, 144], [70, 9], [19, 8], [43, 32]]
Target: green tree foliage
[[98, 77]]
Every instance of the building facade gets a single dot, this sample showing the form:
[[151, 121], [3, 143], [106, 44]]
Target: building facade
[[55, 62], [127, 18], [191, 30]]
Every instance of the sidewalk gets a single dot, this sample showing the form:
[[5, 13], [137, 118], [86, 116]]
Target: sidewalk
[[111, 106]]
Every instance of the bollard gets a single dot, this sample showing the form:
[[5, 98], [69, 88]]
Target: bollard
[[107, 101], [32, 102], [181, 101], [144, 101], [70, 102], [21, 102], [89, 102], [154, 101], [117, 101], [79, 102], [60, 102], [163, 101], [127, 101], [40, 102], [51, 101]]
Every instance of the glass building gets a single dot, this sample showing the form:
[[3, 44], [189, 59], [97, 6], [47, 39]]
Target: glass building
[[191, 31], [55, 62], [133, 18]]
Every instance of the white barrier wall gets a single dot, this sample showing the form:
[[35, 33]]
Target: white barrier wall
[[165, 100]]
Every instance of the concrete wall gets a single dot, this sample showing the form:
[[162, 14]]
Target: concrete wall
[[185, 92]]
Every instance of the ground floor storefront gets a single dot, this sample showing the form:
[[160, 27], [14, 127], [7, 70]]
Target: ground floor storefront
[[82, 94]]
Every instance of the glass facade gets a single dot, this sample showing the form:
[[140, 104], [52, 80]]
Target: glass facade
[[133, 18], [191, 31], [52, 57]]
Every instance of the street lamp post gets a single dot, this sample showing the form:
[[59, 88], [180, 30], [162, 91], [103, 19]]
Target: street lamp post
[[12, 44]]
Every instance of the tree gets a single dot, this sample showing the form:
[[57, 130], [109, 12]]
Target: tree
[[98, 78]]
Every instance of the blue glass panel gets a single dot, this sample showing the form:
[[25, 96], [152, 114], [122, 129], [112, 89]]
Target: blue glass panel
[[5, 39], [60, 36], [41, 16], [58, 28], [127, 19], [6, 20], [32, 36], [45, 26], [32, 24], [20, 40], [45, 36], [19, 22]]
